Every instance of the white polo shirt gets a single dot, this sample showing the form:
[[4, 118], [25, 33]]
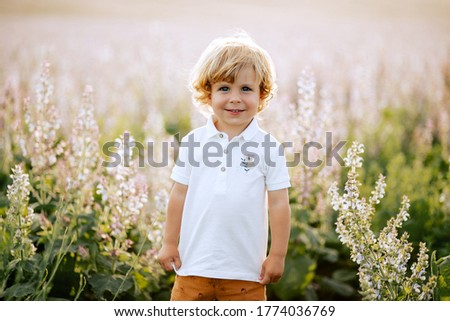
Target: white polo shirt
[[224, 228]]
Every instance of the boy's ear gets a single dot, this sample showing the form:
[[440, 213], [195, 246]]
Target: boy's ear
[[260, 102]]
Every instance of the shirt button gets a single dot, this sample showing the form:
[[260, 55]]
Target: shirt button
[[223, 169], [221, 135], [226, 151]]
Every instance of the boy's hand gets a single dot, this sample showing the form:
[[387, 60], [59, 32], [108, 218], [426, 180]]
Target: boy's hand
[[272, 269], [168, 255]]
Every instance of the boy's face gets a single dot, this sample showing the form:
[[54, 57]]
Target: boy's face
[[235, 104]]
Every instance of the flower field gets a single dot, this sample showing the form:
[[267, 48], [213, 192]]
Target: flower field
[[370, 223]]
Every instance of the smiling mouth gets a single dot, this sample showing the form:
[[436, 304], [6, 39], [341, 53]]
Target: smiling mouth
[[235, 110]]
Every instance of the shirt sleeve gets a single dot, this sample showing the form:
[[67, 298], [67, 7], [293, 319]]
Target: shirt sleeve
[[277, 174], [181, 172]]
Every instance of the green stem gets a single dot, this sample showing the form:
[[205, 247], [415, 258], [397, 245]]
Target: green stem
[[114, 260], [129, 271], [65, 246], [81, 288], [19, 217], [61, 254]]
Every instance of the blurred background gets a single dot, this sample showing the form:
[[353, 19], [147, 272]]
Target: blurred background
[[373, 71], [150, 46]]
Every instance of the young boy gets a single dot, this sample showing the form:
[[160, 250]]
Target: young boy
[[227, 173]]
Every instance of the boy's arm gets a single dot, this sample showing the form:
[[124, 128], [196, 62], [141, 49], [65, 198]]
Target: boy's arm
[[280, 227], [169, 250]]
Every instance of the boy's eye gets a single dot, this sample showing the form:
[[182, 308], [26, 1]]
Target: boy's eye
[[245, 88], [223, 88]]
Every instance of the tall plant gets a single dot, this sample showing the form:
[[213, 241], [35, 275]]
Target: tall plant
[[383, 259]]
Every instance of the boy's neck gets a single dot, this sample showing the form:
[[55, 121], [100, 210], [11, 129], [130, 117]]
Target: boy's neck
[[231, 132]]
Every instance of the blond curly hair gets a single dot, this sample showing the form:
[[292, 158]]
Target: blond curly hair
[[223, 59]]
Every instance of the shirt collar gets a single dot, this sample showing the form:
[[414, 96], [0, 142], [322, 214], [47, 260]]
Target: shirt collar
[[247, 134]]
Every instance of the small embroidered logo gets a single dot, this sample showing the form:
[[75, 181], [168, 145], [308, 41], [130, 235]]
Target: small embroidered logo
[[247, 162]]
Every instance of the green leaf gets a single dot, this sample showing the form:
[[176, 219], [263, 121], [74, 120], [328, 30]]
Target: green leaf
[[329, 254], [338, 287], [29, 266], [140, 280], [104, 261], [19, 291], [113, 284], [344, 275], [299, 273], [434, 268], [442, 259], [12, 264], [443, 283]]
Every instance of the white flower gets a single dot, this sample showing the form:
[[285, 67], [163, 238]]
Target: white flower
[[43, 123], [19, 215], [384, 259]]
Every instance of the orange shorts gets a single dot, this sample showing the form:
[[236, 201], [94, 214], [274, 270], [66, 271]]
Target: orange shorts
[[196, 288]]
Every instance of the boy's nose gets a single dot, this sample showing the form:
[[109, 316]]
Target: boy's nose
[[235, 98]]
